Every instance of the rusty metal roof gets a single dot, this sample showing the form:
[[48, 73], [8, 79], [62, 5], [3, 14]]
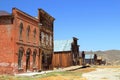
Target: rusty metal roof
[[4, 13], [62, 45]]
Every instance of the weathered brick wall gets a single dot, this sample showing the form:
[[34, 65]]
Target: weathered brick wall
[[6, 49], [10, 42], [32, 43]]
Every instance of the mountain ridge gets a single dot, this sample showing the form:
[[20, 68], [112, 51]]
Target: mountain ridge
[[111, 56]]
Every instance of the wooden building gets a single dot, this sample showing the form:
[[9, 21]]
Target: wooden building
[[81, 58], [46, 39], [26, 42], [89, 59], [92, 59], [66, 53], [99, 60]]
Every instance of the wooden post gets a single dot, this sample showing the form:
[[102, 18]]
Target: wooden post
[[40, 60]]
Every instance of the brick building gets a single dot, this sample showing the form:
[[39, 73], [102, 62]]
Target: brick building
[[26, 42]]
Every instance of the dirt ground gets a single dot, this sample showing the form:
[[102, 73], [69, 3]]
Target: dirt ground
[[108, 66], [70, 76], [63, 78], [104, 73], [95, 73], [90, 73]]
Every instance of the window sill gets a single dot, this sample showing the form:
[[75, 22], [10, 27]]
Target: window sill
[[20, 68], [20, 40], [28, 41]]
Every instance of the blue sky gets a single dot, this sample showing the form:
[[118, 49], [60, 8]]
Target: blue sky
[[96, 23]]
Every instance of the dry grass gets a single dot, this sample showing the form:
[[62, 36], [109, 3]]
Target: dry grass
[[67, 75], [72, 75], [63, 78], [75, 75]]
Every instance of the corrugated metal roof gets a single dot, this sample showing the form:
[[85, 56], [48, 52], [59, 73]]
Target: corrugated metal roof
[[62, 45], [89, 56], [3, 13]]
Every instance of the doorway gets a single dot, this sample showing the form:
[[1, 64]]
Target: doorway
[[28, 52]]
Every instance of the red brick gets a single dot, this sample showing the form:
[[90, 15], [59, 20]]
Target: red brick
[[10, 42]]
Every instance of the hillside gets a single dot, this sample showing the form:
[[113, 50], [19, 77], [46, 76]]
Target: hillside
[[111, 56]]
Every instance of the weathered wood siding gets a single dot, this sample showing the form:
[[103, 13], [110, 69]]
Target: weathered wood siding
[[62, 59]]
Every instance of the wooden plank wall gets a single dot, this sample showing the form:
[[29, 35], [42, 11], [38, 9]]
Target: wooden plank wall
[[62, 59]]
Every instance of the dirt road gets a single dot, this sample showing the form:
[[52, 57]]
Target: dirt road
[[103, 74], [89, 73]]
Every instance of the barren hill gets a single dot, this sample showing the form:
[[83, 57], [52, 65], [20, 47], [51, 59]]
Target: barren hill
[[111, 56]]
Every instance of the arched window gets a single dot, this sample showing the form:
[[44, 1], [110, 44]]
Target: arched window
[[34, 34], [20, 55], [20, 31], [28, 32], [34, 58]]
